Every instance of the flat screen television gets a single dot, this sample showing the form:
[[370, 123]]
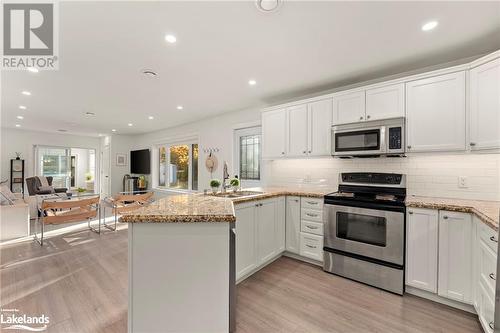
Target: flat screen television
[[140, 162]]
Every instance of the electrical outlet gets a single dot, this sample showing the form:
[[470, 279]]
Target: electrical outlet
[[462, 182]]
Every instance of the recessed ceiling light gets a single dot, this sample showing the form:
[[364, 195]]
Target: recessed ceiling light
[[17, 125], [149, 72], [170, 38], [252, 82], [130, 124], [268, 6], [151, 117], [113, 130], [22, 107], [20, 117], [27, 93], [33, 69], [99, 134], [90, 114], [429, 25], [180, 107]]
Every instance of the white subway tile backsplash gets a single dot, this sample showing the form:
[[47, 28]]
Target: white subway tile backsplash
[[428, 175]]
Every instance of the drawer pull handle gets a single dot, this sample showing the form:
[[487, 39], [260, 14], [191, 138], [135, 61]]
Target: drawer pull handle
[[311, 215], [410, 212], [493, 239], [308, 226], [445, 217], [491, 325], [312, 202], [492, 276], [312, 247]]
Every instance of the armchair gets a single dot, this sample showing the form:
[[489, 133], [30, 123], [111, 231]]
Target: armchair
[[33, 184]]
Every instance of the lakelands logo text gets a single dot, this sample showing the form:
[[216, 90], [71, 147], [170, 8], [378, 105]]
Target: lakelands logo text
[[12, 319], [30, 36]]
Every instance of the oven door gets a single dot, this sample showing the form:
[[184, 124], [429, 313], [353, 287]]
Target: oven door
[[376, 234], [364, 141]]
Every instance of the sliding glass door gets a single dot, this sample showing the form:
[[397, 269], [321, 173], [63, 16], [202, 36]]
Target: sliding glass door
[[55, 163]]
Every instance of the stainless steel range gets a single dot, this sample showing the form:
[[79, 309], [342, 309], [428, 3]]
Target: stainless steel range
[[364, 237]]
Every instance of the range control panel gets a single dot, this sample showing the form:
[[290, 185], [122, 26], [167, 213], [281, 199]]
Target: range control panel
[[372, 178]]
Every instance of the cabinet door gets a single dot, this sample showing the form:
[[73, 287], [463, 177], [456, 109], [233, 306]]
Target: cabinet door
[[485, 106], [297, 130], [385, 102], [266, 230], [320, 127], [436, 113], [422, 249], [293, 224], [280, 224], [349, 107], [246, 251], [455, 259], [273, 133]]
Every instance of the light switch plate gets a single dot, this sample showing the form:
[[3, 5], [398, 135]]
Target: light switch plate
[[462, 182]]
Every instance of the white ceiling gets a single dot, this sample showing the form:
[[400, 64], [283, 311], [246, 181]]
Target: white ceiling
[[304, 47]]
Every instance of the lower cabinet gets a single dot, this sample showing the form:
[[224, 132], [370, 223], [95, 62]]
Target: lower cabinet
[[311, 246], [260, 234], [422, 249], [293, 224], [455, 256]]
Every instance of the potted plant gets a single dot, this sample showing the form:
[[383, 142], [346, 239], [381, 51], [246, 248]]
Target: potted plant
[[214, 184], [89, 181], [235, 183]]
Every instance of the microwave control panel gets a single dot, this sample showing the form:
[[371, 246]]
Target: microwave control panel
[[395, 141]]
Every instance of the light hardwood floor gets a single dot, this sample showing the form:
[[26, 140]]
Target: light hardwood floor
[[79, 280]]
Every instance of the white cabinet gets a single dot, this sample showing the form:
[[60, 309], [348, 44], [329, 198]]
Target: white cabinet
[[266, 231], [385, 102], [349, 107], [246, 233], [455, 256], [422, 249], [485, 106], [293, 224], [260, 234], [274, 133], [320, 126], [297, 131], [435, 113]]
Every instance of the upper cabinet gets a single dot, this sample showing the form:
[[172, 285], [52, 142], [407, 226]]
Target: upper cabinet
[[435, 113], [320, 125], [297, 131], [349, 107], [274, 133], [485, 106], [385, 102]]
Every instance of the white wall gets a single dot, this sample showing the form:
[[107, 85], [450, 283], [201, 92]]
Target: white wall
[[216, 132], [17, 140], [120, 144], [428, 175]]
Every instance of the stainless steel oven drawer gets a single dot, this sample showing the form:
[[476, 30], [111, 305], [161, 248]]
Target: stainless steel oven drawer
[[384, 277]]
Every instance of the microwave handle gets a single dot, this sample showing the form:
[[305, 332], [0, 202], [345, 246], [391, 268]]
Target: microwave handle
[[383, 139]]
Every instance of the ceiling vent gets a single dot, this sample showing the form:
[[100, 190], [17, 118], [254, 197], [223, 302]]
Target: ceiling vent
[[268, 6]]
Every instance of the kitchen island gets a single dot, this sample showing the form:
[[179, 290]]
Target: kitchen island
[[181, 265]]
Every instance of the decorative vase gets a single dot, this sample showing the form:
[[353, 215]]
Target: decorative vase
[[215, 189]]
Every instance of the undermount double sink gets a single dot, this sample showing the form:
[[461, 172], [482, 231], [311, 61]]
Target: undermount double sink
[[239, 194]]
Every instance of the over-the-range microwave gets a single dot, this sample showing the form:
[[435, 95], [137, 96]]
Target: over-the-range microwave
[[369, 138]]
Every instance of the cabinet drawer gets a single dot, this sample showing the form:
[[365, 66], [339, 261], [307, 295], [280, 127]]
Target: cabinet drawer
[[311, 227], [311, 203], [311, 215], [488, 235], [486, 309], [311, 246], [487, 266]]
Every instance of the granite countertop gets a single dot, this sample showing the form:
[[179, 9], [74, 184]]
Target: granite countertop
[[271, 192], [486, 211], [186, 208]]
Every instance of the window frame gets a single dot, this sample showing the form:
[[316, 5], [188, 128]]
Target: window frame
[[156, 163], [241, 132]]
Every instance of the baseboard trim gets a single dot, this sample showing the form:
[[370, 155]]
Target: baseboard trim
[[299, 257], [438, 299]]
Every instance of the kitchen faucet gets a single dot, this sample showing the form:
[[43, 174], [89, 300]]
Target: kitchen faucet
[[225, 176]]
